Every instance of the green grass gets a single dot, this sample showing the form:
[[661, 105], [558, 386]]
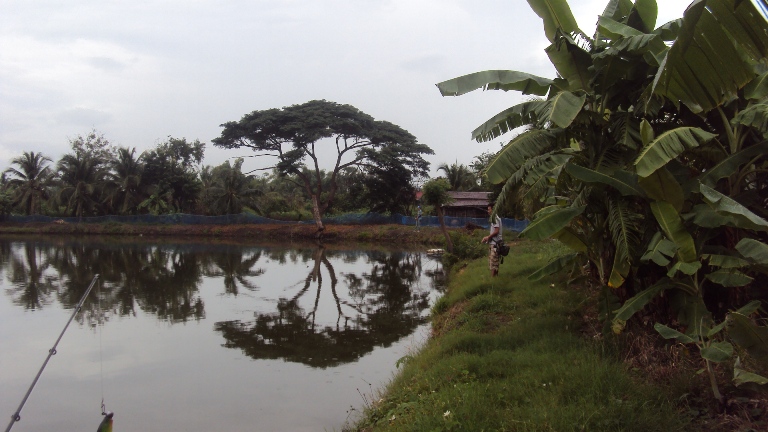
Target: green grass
[[508, 357]]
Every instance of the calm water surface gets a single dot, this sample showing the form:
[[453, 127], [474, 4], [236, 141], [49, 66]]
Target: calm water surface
[[204, 336]]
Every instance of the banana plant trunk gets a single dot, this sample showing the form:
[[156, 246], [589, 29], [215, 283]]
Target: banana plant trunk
[[713, 383]]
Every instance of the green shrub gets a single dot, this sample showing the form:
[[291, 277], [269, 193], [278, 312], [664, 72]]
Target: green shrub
[[466, 246]]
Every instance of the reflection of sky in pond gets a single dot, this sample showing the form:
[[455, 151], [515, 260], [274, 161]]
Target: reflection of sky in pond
[[178, 376]]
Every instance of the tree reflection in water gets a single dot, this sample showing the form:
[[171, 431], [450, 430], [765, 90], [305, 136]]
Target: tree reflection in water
[[32, 284], [375, 307], [235, 267], [159, 280], [385, 306]]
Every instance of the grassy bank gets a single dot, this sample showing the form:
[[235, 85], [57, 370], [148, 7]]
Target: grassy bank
[[507, 354]]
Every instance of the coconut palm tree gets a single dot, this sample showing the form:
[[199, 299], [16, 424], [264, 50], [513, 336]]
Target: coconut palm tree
[[459, 176], [123, 190], [231, 190], [82, 181], [31, 180]]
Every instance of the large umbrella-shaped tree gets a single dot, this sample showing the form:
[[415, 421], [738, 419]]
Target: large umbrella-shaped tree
[[295, 136]]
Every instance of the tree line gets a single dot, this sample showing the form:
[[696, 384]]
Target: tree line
[[378, 167]]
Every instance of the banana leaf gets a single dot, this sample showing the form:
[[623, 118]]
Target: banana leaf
[[748, 335], [619, 271], [673, 228], [731, 164], [571, 62], [556, 15], [725, 261], [689, 268], [729, 278], [741, 376], [758, 88], [626, 130], [632, 41], [553, 266], [668, 333], [625, 226], [714, 54], [706, 217], [496, 80], [749, 308], [741, 216], [662, 186], [691, 310], [718, 352], [669, 31], [569, 238], [565, 107], [634, 304], [753, 250], [617, 9], [660, 250], [514, 154], [648, 11], [756, 116], [668, 146], [549, 224], [626, 184], [612, 29], [646, 132], [526, 113]]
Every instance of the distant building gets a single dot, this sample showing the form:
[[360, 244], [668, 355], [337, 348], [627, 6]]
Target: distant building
[[468, 204]]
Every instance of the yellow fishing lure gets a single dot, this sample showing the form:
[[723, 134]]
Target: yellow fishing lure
[[106, 424]]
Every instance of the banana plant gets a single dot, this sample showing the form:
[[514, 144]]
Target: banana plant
[[714, 349], [646, 154]]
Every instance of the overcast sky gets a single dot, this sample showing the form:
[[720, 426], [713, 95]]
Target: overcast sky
[[142, 70]]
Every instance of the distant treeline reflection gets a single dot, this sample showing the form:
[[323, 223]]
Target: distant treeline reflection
[[375, 307]]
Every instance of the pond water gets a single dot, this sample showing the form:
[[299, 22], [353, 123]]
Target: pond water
[[199, 336]]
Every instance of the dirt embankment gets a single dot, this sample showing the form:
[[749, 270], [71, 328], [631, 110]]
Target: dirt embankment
[[393, 234]]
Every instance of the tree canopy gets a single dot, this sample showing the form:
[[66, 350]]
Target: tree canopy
[[296, 135]]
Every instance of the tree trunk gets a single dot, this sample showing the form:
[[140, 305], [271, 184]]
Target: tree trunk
[[316, 215], [448, 242]]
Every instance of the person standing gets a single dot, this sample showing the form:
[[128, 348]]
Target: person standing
[[418, 217], [492, 238]]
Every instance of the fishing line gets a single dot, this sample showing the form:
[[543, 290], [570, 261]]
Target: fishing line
[[100, 323], [106, 423]]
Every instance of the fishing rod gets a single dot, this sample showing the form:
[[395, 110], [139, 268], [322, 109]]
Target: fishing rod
[[51, 352]]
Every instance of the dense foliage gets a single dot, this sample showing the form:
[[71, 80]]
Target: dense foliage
[[647, 156], [99, 178]]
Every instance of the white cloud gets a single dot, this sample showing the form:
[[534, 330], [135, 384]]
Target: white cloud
[[143, 70]]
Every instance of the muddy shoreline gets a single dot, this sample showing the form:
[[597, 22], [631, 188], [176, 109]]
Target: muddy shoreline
[[389, 234]]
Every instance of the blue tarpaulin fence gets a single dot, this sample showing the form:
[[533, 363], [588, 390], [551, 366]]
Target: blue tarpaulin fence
[[348, 219]]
